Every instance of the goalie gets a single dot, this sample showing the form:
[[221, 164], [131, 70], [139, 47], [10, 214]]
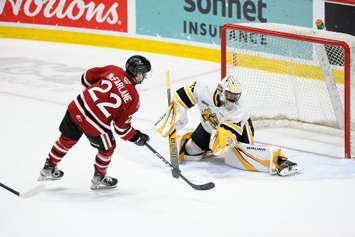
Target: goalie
[[225, 129]]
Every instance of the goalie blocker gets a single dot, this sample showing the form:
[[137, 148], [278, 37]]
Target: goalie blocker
[[225, 129]]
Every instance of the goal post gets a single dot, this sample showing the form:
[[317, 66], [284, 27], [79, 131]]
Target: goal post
[[294, 74]]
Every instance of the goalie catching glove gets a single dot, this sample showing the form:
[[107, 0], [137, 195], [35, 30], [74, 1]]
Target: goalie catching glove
[[221, 141], [174, 118]]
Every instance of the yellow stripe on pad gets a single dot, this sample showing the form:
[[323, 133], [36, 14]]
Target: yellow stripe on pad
[[244, 162], [265, 163]]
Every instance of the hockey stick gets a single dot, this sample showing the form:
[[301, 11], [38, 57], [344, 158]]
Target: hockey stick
[[172, 137], [27, 194], [206, 186]]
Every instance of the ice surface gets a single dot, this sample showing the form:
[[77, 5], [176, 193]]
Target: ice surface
[[37, 80]]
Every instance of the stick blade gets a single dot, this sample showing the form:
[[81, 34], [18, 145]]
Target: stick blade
[[203, 187], [35, 190]]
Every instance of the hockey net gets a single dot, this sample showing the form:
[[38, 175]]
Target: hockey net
[[295, 77]]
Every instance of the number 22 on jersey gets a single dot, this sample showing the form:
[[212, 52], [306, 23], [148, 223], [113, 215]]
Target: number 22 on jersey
[[105, 87]]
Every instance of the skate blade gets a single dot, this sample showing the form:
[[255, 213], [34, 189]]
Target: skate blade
[[289, 172], [99, 187], [44, 179]]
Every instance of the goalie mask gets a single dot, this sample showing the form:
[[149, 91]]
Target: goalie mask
[[138, 68], [229, 92]]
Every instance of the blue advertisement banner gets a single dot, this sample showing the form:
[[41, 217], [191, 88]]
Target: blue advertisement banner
[[200, 20]]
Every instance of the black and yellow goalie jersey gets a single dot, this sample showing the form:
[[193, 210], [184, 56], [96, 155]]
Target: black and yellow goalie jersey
[[213, 114]]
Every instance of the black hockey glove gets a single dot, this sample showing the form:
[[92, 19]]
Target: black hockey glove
[[140, 139]]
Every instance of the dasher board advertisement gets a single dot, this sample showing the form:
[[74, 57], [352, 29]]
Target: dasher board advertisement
[[93, 14], [200, 20]]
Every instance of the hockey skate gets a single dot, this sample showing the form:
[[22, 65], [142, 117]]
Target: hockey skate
[[103, 182], [287, 168], [50, 172]]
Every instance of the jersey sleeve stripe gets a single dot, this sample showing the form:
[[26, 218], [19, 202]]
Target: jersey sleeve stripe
[[190, 94], [236, 130], [122, 132], [128, 134], [180, 102], [183, 95], [84, 81]]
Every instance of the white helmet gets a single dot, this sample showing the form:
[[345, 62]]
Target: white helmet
[[230, 91]]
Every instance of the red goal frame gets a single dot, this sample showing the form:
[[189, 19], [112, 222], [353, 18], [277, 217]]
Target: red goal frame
[[312, 39]]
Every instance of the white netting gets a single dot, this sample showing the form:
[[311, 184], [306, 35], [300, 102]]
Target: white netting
[[284, 79]]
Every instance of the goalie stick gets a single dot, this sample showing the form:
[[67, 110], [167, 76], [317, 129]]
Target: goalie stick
[[206, 186], [172, 137], [29, 193]]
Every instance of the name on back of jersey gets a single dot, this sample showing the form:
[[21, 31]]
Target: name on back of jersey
[[121, 87]]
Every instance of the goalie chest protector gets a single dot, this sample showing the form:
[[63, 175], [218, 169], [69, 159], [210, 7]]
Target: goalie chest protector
[[212, 111]]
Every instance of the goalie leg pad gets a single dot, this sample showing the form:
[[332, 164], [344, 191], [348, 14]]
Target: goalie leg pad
[[249, 157], [188, 149], [181, 144]]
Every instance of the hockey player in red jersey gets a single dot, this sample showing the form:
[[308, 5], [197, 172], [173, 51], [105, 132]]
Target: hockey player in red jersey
[[109, 98]]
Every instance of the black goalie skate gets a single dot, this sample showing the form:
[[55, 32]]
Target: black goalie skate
[[103, 182], [50, 172], [287, 168]]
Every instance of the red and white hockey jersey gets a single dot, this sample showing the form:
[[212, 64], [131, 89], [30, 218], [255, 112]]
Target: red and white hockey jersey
[[109, 98]]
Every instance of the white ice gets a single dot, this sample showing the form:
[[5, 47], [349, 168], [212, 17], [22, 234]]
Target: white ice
[[38, 80]]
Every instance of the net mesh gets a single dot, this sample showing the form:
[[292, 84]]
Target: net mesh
[[284, 80]]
